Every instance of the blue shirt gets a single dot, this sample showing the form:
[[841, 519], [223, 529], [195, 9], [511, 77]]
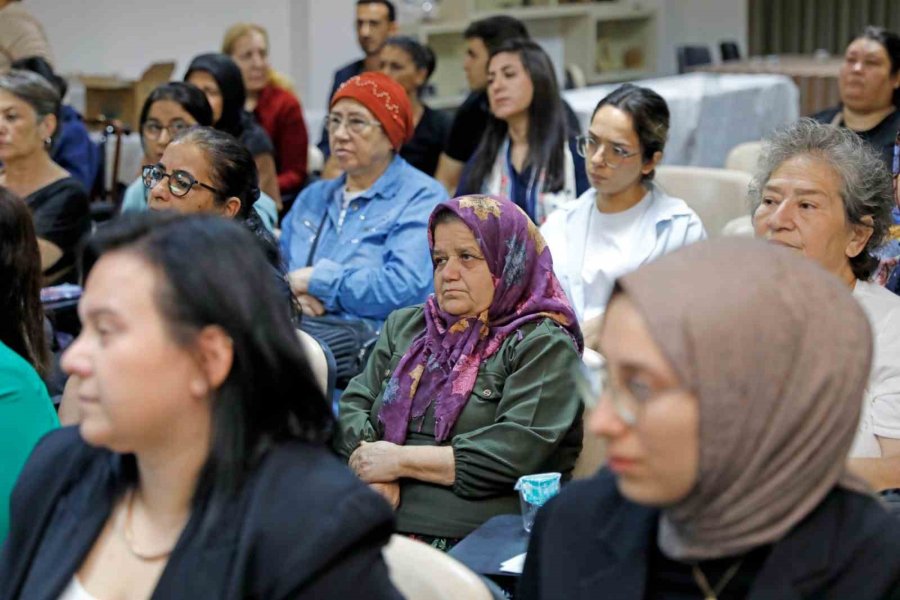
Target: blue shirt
[[379, 260], [73, 149]]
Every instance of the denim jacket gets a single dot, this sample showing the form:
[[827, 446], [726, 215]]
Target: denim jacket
[[379, 260]]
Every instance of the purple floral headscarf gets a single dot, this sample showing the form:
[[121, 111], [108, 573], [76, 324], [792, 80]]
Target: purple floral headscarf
[[442, 362]]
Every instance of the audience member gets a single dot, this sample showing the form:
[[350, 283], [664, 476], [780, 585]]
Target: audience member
[[625, 220], [220, 79], [72, 149], [823, 192], [355, 245], [888, 273], [169, 110], [29, 116], [467, 393], [482, 38], [21, 35], [26, 412], [869, 86], [376, 21], [203, 429], [410, 64], [524, 154], [733, 383], [271, 98]]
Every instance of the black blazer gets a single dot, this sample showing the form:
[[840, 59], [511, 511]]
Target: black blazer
[[302, 526], [591, 543]]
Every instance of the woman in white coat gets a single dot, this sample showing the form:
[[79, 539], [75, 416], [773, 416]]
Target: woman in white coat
[[625, 220]]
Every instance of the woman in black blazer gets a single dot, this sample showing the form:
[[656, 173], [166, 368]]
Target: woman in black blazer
[[730, 402], [200, 467]]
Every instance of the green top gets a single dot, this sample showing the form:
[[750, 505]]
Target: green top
[[26, 414], [523, 417]]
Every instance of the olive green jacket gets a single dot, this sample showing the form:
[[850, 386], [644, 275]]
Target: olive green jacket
[[523, 417]]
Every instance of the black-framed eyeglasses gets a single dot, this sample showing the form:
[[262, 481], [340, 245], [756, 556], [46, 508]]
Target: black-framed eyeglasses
[[356, 125], [180, 182], [152, 130], [613, 154]]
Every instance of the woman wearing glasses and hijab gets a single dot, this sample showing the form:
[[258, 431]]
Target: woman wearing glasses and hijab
[[730, 404], [625, 219]]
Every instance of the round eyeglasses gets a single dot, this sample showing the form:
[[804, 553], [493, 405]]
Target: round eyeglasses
[[152, 130], [593, 381], [613, 154], [356, 125], [180, 182]]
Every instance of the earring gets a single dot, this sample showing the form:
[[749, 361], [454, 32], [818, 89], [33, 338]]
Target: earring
[[198, 387], [48, 141]]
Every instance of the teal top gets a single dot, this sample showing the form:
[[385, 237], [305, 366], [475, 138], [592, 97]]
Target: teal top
[[26, 414], [523, 417], [135, 200]]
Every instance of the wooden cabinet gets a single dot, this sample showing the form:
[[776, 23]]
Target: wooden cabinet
[[607, 40]]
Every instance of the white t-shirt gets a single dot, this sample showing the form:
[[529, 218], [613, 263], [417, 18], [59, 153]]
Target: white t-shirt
[[609, 251], [881, 403], [75, 591]]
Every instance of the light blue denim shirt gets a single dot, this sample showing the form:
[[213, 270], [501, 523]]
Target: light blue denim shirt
[[135, 200], [379, 260]]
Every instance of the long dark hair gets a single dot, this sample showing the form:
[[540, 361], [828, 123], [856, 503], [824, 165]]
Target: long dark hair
[[649, 116], [21, 312], [231, 85], [187, 96], [212, 273], [546, 124]]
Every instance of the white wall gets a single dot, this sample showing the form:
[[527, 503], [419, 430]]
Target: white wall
[[703, 22]]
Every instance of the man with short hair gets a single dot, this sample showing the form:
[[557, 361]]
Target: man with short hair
[[376, 21]]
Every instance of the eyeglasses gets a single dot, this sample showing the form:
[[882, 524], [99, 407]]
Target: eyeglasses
[[356, 125], [180, 182], [153, 130], [628, 398], [613, 154]]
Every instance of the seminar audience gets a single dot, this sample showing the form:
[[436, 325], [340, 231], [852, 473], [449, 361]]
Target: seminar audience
[[869, 87], [467, 393], [220, 79], [625, 219], [26, 412], [272, 101], [203, 430], [823, 192], [29, 119], [410, 64]]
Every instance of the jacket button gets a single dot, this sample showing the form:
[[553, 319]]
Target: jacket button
[[487, 393]]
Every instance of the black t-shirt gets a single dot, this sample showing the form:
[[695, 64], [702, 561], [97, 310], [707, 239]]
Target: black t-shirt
[[254, 137], [428, 141], [62, 216], [669, 579], [881, 137], [471, 120]]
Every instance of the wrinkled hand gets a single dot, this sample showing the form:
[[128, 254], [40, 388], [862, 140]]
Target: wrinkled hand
[[310, 305], [299, 280], [388, 491], [376, 462]]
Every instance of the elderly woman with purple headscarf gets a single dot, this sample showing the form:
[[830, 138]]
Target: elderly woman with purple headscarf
[[470, 391]]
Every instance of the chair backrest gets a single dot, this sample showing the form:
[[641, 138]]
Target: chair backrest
[[716, 195], [729, 50], [421, 572], [743, 157], [692, 56], [317, 359]]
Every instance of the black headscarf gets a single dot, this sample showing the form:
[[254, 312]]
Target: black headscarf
[[231, 85]]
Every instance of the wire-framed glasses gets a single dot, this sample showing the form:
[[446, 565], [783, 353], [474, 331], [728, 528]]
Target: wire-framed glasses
[[613, 154], [180, 182]]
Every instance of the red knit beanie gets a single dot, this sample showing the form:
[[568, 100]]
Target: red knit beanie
[[386, 99]]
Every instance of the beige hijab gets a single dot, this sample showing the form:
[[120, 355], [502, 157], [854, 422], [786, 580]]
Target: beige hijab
[[777, 351]]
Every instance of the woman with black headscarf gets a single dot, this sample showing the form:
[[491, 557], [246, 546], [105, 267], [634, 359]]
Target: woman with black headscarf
[[220, 79]]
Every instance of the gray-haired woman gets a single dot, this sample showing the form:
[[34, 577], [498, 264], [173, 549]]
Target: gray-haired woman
[[29, 109], [822, 191]]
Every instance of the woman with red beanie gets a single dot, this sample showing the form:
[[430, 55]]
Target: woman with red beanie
[[356, 246]]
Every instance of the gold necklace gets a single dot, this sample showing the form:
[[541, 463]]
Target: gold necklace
[[128, 535], [710, 593]]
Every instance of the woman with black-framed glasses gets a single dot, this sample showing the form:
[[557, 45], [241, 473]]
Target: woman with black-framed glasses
[[625, 219]]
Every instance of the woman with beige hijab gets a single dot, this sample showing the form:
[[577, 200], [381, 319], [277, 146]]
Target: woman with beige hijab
[[736, 373]]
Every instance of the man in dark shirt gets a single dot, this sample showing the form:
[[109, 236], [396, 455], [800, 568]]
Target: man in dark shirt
[[376, 21], [482, 38]]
